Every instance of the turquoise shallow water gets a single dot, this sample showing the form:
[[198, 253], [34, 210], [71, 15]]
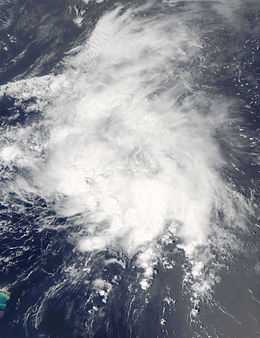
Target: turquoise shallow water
[[4, 298]]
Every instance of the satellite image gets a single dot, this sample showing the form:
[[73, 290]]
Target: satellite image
[[129, 169]]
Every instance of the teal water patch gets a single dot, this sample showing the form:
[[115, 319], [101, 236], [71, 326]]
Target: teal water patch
[[4, 298]]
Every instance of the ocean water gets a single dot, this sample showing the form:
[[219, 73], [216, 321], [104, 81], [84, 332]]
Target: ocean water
[[129, 160]]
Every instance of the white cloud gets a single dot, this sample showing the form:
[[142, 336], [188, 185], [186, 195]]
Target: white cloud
[[127, 152]]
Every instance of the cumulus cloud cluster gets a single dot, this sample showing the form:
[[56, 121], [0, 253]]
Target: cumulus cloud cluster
[[131, 143]]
